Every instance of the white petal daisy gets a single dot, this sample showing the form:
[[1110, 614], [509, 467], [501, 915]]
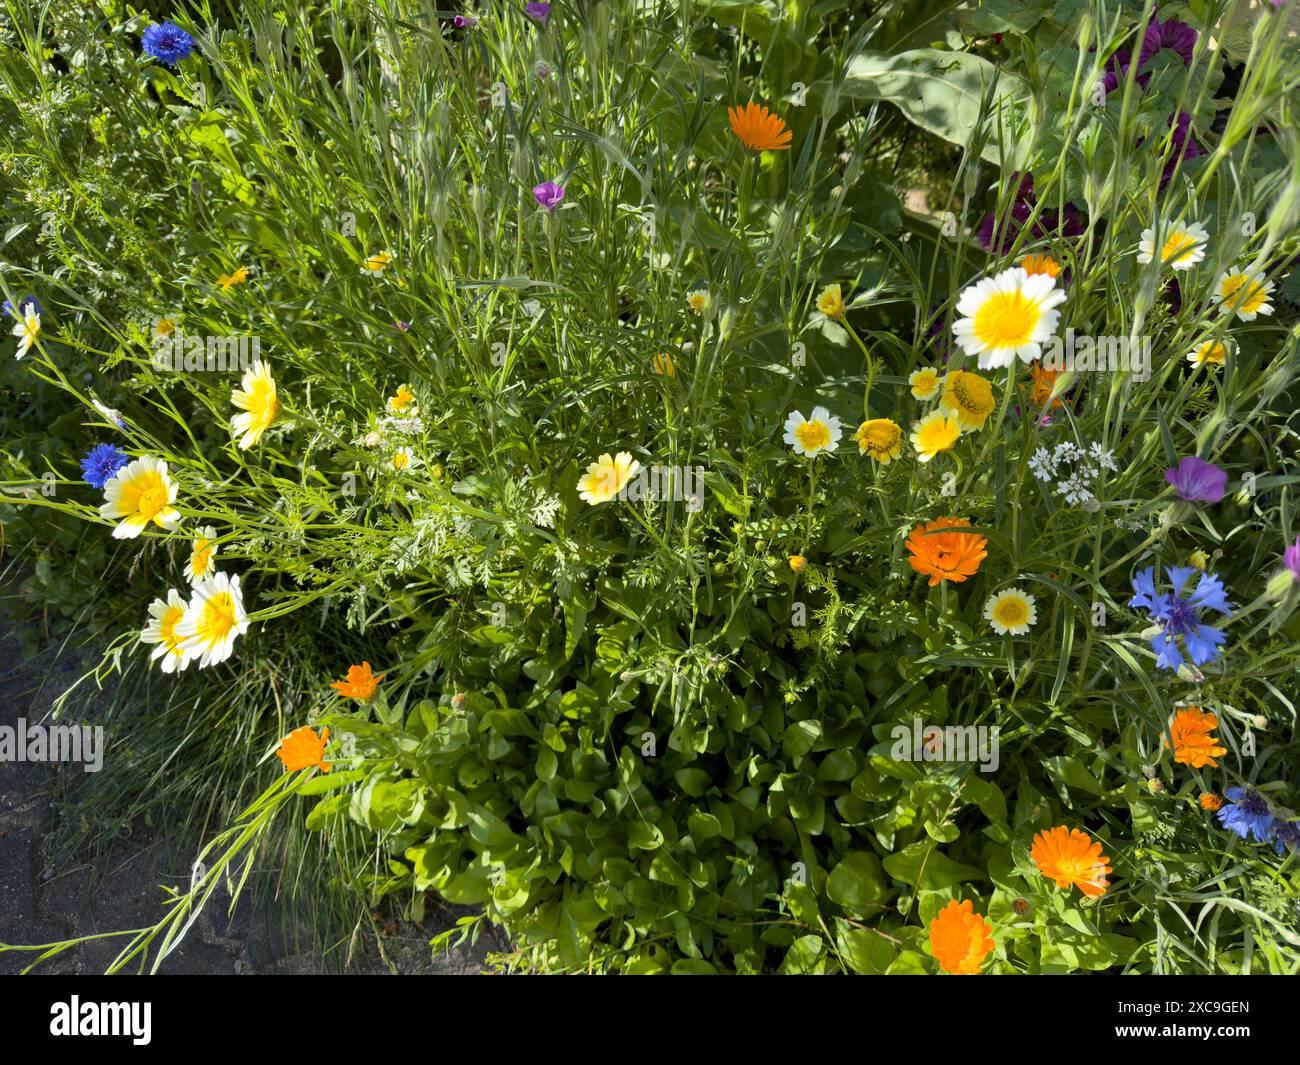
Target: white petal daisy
[[1182, 246], [214, 617], [141, 492], [1010, 611], [164, 616], [810, 436], [1009, 315]]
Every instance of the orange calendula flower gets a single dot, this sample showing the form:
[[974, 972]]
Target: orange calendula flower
[[960, 938], [1041, 264], [758, 129], [1044, 382], [360, 683], [945, 556], [1071, 857], [1209, 801], [304, 749], [1193, 745]]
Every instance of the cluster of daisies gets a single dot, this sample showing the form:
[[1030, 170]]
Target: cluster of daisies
[[140, 492]]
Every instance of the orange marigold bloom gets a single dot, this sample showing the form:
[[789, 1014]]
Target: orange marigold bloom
[[1193, 745], [960, 939], [948, 556], [1041, 264], [1210, 801], [303, 749], [1044, 382], [359, 684], [1069, 856], [758, 129]]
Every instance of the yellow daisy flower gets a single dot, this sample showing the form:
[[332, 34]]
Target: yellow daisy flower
[[1244, 293], [934, 433], [377, 263], [881, 438], [1183, 246], [924, 383], [260, 402], [402, 399], [831, 302], [606, 477], [1009, 315], [970, 397], [228, 281], [214, 617], [203, 554], [141, 492], [164, 616], [1212, 353], [1011, 611]]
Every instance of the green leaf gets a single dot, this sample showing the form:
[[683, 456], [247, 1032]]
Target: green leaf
[[858, 883]]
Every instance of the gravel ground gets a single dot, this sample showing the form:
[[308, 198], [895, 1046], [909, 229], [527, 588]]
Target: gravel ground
[[41, 904]]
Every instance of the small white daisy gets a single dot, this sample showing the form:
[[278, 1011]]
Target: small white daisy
[[1243, 292], [1009, 315], [1010, 611], [812, 435], [1182, 248]]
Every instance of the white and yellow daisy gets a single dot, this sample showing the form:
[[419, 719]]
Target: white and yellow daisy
[[164, 616], [1182, 248], [810, 436], [699, 300], [377, 263], [28, 329], [606, 477], [203, 553], [1010, 611], [934, 433], [402, 460], [1211, 353], [214, 617], [1243, 292], [1008, 315], [259, 401], [924, 383], [141, 492], [402, 400]]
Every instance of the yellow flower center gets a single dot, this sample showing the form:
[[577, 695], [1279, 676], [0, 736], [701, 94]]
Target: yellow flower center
[[167, 628], [813, 436], [218, 618], [972, 394], [401, 460], [1178, 246], [1011, 613], [879, 436], [1007, 319], [1242, 294], [153, 500], [202, 559]]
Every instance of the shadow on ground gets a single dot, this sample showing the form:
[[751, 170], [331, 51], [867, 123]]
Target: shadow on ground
[[40, 904]]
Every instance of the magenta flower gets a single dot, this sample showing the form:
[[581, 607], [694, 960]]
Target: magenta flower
[[1177, 37], [548, 194], [1197, 481], [539, 11], [461, 21], [1291, 558]]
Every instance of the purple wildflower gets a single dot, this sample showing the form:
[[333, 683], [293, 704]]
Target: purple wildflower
[[1176, 36], [1291, 558], [1180, 615], [539, 11], [548, 194], [461, 21], [1248, 814], [23, 303], [998, 235], [167, 43], [1197, 481], [1286, 834]]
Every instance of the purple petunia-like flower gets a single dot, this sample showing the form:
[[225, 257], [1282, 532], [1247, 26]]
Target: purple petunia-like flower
[[1248, 814], [1177, 37], [101, 464], [167, 42], [548, 194], [539, 11], [998, 236], [1197, 481], [462, 21], [1179, 614]]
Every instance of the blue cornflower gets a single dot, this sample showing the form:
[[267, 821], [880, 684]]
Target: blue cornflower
[[1286, 834], [26, 301], [1249, 814], [1180, 614], [101, 464], [167, 42]]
